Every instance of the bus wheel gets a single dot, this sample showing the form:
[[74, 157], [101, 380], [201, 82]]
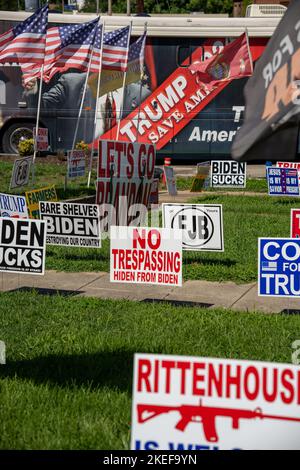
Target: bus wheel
[[14, 133]]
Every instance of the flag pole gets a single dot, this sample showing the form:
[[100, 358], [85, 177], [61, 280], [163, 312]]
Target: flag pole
[[249, 50], [140, 95], [124, 82], [37, 123], [96, 106], [82, 101]]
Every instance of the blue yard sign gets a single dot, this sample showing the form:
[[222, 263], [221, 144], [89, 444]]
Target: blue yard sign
[[279, 267], [283, 182]]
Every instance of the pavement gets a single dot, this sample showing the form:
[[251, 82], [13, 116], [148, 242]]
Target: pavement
[[240, 297]]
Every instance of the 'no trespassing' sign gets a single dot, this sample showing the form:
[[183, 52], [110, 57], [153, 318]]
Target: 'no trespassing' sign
[[71, 224], [22, 246]]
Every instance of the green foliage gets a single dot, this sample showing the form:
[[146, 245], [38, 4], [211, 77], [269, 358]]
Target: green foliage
[[165, 6], [82, 146], [26, 147]]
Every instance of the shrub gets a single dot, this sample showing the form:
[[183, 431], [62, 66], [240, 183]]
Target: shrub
[[26, 147]]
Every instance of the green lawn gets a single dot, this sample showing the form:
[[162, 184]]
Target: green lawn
[[258, 185], [245, 219], [67, 381], [47, 174]]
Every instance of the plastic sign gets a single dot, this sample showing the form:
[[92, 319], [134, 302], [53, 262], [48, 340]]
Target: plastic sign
[[22, 246], [201, 225], [13, 206], [295, 223], [228, 174], [71, 224], [283, 182], [42, 144], [170, 180], [154, 193], [124, 169], [198, 403], [146, 255], [279, 267], [35, 196], [291, 165], [76, 163], [21, 172]]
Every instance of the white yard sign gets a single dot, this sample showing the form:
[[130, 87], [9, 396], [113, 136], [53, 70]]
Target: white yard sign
[[201, 225], [198, 403], [146, 256]]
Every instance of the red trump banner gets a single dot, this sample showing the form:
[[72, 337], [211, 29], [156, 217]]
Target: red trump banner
[[176, 102]]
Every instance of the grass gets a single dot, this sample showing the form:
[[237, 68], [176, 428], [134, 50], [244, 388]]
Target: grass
[[258, 185], [47, 174], [245, 219], [68, 378]]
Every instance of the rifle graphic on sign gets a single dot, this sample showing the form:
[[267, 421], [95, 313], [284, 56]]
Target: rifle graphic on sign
[[204, 414]]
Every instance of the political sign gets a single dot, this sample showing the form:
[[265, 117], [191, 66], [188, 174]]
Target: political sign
[[170, 179], [283, 182], [41, 139], [228, 174], [291, 165], [199, 403], [201, 225], [124, 170], [13, 206], [202, 177], [22, 246], [35, 196], [21, 172], [71, 224], [76, 163], [295, 223], [154, 193], [146, 255], [279, 267]]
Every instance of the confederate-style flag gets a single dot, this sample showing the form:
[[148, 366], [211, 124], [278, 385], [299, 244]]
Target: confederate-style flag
[[24, 44], [233, 62]]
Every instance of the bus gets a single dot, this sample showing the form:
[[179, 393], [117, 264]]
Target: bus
[[173, 43]]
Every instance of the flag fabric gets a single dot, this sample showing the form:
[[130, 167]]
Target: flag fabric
[[270, 129], [113, 79], [233, 62], [115, 49], [24, 44], [72, 46]]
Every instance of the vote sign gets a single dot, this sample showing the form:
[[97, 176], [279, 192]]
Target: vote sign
[[228, 174], [295, 223], [283, 182], [201, 225], [279, 267]]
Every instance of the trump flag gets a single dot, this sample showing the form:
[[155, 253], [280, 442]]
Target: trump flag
[[270, 129]]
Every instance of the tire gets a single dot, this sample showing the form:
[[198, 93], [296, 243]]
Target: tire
[[13, 134]]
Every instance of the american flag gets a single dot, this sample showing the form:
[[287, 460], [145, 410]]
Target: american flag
[[25, 43], [72, 46], [137, 51], [115, 49]]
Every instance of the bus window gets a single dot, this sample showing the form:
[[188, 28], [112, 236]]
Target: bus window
[[183, 52]]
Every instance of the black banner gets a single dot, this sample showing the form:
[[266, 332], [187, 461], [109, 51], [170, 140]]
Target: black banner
[[270, 129]]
